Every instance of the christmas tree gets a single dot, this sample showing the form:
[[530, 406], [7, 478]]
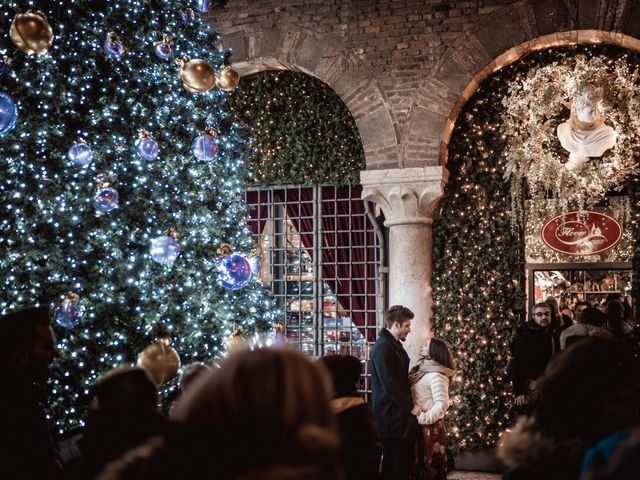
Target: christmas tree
[[114, 202]]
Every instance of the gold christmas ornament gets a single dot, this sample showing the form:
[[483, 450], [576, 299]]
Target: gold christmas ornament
[[166, 40], [225, 249], [70, 298], [236, 342], [160, 361], [173, 233], [196, 75], [31, 33], [102, 181], [227, 79]]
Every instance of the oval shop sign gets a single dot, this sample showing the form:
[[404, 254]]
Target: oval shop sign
[[581, 233]]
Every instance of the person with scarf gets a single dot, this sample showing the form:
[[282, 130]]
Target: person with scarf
[[430, 379]]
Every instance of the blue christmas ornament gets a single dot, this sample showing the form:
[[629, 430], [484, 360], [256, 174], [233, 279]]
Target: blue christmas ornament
[[80, 153], [113, 46], [8, 113], [69, 313], [165, 249], [162, 50], [204, 146], [106, 198], [147, 147], [234, 271]]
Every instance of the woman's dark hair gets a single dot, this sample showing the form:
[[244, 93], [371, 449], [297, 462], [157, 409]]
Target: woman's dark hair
[[614, 310], [126, 388], [190, 373], [345, 371], [593, 316], [614, 313], [439, 352], [272, 402]]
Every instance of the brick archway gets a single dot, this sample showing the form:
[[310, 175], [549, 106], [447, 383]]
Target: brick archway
[[260, 49], [506, 36]]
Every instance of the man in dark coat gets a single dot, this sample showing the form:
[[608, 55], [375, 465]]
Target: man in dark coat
[[535, 345], [27, 348], [392, 404]]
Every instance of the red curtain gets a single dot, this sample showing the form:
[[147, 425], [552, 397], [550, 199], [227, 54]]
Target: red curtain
[[258, 201], [348, 250], [348, 253]]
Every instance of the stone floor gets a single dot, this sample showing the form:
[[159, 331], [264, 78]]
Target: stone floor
[[462, 475]]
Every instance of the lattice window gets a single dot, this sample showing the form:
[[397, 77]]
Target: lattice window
[[320, 256]]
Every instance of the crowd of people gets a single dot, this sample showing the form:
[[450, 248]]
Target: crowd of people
[[272, 413], [576, 380], [552, 329]]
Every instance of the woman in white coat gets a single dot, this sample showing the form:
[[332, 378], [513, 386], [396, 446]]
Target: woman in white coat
[[430, 379]]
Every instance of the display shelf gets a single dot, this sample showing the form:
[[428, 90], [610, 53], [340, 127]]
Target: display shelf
[[569, 283], [597, 292]]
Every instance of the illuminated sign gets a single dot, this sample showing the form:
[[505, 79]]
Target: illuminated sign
[[581, 233]]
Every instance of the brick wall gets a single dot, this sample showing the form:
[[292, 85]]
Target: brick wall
[[402, 66]]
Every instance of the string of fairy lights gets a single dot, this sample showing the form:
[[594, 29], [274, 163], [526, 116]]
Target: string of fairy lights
[[478, 271], [59, 235]]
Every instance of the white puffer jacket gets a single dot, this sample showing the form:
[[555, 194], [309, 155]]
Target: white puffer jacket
[[431, 391]]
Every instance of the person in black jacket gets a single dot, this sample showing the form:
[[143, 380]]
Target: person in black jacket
[[360, 445], [393, 406], [27, 349], [535, 345]]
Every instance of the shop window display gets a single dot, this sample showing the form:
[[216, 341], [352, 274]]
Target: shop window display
[[571, 286]]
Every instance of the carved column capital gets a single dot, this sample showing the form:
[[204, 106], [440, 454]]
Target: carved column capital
[[406, 195]]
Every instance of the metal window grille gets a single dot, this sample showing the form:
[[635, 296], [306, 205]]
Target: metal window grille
[[305, 253]]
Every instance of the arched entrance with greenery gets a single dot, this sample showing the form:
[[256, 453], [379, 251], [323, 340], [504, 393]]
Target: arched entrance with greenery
[[478, 257]]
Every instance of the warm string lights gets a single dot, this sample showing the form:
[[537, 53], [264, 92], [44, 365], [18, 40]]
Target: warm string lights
[[540, 100], [302, 131], [478, 272], [53, 238]]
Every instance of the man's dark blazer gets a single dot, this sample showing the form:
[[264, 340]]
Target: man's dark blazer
[[390, 388]]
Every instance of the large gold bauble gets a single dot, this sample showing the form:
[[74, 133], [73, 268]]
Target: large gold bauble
[[197, 76], [31, 33], [227, 79], [160, 361]]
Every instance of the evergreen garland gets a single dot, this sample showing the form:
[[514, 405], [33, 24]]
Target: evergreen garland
[[478, 269], [302, 131]]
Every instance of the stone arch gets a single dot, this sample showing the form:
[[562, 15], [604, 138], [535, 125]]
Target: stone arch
[[259, 49], [502, 39]]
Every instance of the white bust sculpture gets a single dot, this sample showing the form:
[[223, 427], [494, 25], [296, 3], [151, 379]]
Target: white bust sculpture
[[585, 134]]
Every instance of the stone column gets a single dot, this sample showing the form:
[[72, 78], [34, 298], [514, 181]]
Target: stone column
[[409, 198]]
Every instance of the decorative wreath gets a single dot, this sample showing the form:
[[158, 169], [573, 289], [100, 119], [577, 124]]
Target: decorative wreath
[[537, 104]]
